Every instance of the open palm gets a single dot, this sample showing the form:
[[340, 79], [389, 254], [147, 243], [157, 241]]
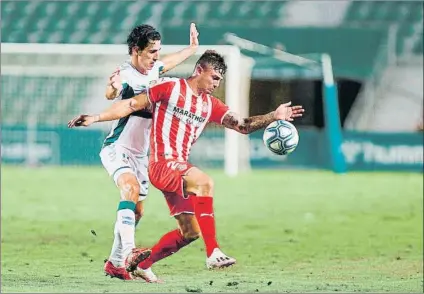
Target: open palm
[[287, 112]]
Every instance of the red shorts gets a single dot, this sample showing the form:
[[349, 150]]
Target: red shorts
[[167, 176]]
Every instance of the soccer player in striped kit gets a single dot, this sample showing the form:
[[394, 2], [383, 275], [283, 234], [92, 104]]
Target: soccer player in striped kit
[[181, 109]]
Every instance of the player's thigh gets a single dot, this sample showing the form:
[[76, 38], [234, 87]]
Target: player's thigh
[[167, 175], [122, 166], [116, 161], [198, 182], [188, 225]]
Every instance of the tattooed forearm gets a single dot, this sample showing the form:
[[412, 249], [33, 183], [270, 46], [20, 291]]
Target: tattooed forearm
[[247, 125]]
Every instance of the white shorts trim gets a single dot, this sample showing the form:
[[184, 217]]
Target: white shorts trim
[[120, 171]]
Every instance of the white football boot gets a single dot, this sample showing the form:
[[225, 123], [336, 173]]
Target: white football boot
[[146, 274], [219, 260]]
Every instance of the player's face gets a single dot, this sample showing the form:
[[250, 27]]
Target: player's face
[[147, 58], [209, 79]]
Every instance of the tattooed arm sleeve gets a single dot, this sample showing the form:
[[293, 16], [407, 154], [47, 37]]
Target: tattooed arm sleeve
[[247, 125]]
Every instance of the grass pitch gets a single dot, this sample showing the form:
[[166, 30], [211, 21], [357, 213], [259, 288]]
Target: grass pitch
[[291, 231]]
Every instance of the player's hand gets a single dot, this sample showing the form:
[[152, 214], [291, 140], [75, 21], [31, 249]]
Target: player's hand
[[82, 120], [287, 112], [115, 80], [194, 41]]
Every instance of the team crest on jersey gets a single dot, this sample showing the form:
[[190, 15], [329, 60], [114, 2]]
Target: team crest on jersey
[[125, 158], [175, 165], [181, 166], [152, 83], [205, 106]]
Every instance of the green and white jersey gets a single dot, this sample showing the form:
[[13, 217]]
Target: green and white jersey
[[133, 132]]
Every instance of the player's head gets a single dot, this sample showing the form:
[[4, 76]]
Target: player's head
[[144, 43], [209, 71]]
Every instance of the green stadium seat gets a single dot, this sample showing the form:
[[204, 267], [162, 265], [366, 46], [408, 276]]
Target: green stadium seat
[[190, 13], [408, 15], [381, 11], [94, 21], [354, 12], [274, 10]]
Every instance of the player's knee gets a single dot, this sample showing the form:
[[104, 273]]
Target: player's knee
[[130, 191], [202, 187], [205, 187]]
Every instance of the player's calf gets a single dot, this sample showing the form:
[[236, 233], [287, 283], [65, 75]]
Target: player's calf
[[139, 212], [189, 227], [126, 220], [128, 215], [202, 186]]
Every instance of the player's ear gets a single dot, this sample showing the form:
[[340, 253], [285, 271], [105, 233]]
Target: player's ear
[[198, 70], [137, 50]]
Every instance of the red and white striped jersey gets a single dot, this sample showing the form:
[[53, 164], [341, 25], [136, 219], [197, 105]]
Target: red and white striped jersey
[[179, 117]]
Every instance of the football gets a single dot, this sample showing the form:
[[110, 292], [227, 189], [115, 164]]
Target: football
[[281, 137]]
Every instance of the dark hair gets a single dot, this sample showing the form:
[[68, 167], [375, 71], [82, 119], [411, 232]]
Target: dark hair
[[141, 36], [213, 59]]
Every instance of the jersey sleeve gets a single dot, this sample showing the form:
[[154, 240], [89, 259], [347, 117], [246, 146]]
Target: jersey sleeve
[[160, 90], [219, 110]]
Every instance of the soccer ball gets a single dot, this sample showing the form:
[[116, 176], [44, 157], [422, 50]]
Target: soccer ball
[[281, 137]]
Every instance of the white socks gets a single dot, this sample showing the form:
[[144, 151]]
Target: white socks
[[124, 236], [116, 253], [126, 229]]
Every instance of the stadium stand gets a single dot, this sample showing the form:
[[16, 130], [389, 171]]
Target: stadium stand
[[35, 21], [18, 95], [407, 15], [96, 24], [93, 22]]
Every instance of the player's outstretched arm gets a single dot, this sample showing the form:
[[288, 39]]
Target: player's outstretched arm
[[172, 60], [248, 125], [118, 110]]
